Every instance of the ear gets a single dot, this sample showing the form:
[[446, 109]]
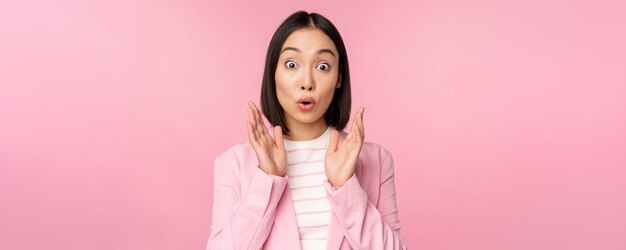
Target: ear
[[338, 82]]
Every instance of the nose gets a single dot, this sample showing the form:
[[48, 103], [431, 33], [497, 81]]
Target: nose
[[307, 83]]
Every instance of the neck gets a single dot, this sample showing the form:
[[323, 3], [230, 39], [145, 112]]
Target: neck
[[306, 131]]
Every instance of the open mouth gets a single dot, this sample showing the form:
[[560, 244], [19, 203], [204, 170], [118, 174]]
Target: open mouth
[[306, 105]]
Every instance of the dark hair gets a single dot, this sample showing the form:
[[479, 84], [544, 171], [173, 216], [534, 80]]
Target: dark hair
[[338, 113]]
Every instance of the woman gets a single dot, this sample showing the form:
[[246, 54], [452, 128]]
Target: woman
[[305, 184]]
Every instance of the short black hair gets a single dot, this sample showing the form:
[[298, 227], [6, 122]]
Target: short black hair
[[338, 113]]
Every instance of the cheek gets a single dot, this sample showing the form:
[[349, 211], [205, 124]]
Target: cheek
[[281, 82], [327, 82], [282, 85]]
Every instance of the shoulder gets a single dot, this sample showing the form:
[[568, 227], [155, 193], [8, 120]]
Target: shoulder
[[371, 150], [375, 148], [239, 150], [375, 157], [237, 161]]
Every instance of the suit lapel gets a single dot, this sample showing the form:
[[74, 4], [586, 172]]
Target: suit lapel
[[287, 224], [286, 221], [335, 234]]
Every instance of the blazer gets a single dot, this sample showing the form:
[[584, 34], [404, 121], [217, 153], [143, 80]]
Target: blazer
[[254, 210]]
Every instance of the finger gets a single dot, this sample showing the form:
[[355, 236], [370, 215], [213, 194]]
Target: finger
[[259, 119], [358, 137], [334, 141], [251, 135], [253, 122], [358, 118], [258, 128], [355, 126], [350, 134], [278, 137], [250, 115], [355, 121], [255, 115], [361, 127], [251, 119]]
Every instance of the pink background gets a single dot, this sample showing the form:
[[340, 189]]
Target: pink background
[[506, 118]]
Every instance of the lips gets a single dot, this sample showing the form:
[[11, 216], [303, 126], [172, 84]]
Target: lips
[[306, 103], [306, 100]]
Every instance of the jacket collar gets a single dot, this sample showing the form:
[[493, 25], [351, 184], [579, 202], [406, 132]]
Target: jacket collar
[[287, 224]]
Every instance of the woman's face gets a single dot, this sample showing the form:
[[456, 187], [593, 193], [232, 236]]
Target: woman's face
[[307, 68]]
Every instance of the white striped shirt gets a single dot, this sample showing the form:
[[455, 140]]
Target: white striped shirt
[[305, 168]]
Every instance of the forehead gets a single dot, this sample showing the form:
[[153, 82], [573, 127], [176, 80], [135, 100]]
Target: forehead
[[309, 40]]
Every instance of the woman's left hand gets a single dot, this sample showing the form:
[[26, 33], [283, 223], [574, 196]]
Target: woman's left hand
[[340, 161]]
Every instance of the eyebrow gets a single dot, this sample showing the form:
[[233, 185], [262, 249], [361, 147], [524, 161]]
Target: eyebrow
[[319, 52]]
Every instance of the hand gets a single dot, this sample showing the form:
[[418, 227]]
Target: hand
[[270, 151], [340, 162]]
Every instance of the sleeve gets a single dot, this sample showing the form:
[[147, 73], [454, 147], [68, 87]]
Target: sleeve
[[243, 221], [364, 225]]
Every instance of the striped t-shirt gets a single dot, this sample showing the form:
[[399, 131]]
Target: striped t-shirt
[[305, 168]]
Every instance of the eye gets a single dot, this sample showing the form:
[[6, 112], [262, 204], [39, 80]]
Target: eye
[[323, 66], [291, 64]]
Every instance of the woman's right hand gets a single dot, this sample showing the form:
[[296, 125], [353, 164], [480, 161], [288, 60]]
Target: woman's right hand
[[270, 151]]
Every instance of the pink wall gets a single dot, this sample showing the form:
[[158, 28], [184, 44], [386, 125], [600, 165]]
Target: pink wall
[[506, 118]]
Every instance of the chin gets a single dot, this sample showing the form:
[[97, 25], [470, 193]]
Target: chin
[[307, 117]]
